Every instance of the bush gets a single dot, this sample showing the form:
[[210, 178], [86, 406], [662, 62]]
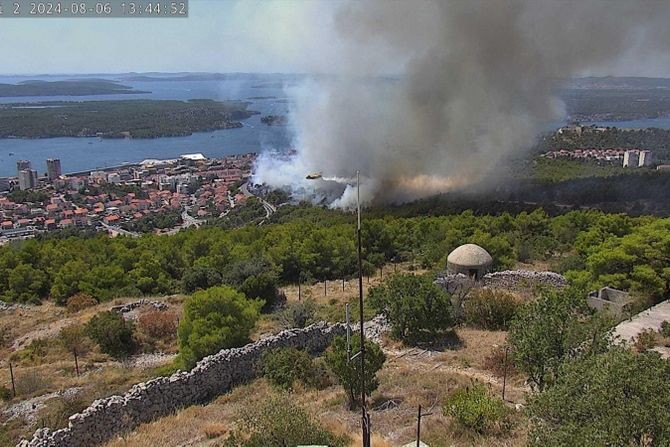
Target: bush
[[474, 408], [5, 393], [112, 333], [279, 422], [298, 314], [282, 367], [80, 301], [497, 364], [617, 398], [492, 310], [645, 340], [417, 308], [348, 372], [665, 329], [75, 339], [263, 286], [158, 324], [31, 383], [215, 319]]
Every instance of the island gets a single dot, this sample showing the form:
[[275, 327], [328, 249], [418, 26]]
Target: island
[[274, 120], [120, 119], [71, 87]]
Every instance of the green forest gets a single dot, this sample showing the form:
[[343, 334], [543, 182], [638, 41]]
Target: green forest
[[119, 119], [304, 244]]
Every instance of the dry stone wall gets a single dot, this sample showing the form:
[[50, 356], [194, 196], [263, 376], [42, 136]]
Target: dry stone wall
[[212, 376], [514, 280]]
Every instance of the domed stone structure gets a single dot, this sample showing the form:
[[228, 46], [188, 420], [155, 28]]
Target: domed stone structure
[[469, 259]]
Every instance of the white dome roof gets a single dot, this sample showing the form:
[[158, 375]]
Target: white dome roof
[[470, 255]]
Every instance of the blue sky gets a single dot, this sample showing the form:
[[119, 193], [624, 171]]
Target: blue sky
[[218, 36]]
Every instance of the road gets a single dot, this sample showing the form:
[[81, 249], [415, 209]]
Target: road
[[114, 231], [269, 208]]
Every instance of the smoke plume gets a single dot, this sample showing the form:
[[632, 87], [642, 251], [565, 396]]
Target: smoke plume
[[474, 83]]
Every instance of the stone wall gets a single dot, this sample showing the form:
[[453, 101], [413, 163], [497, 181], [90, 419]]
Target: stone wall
[[212, 376], [513, 280]]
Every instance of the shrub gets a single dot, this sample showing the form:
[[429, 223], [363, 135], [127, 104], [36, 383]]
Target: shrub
[[645, 340], [282, 367], [59, 410], [75, 339], [474, 408], [490, 309], [497, 364], [665, 329], [215, 319], [348, 372], [5, 393], [30, 382], [80, 301], [279, 422], [112, 333], [298, 314], [264, 287], [617, 398], [158, 324], [417, 308]]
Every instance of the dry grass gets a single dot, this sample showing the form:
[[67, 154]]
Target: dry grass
[[42, 364], [411, 376]]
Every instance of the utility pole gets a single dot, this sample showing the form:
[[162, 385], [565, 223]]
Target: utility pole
[[505, 373], [364, 417]]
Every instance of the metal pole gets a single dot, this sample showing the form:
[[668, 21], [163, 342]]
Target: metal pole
[[11, 374], [325, 284], [364, 421], [346, 310], [505, 373], [418, 428], [76, 362], [343, 283]]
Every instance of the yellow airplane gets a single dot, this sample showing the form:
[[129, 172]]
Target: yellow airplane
[[314, 176]]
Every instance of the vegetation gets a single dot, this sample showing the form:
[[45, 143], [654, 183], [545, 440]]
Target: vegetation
[[298, 314], [279, 422], [27, 196], [474, 408], [554, 328], [124, 118], [417, 308], [348, 372], [71, 87], [80, 301], [320, 244], [215, 319], [490, 309], [112, 333], [284, 366], [614, 398], [155, 221]]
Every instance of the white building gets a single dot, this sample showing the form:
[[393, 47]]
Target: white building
[[645, 158], [27, 179], [114, 178], [631, 159]]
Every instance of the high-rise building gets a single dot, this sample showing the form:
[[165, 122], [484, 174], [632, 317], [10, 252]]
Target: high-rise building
[[53, 169], [25, 179], [22, 165], [645, 158], [631, 159]]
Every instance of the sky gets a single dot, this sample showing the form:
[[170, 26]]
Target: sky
[[290, 36], [218, 36]]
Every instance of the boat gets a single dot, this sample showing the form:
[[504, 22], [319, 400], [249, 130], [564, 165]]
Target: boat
[[314, 176]]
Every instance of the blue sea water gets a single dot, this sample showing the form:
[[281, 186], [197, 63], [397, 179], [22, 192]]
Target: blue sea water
[[78, 154]]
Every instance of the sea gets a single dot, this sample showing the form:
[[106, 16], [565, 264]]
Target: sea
[[267, 96]]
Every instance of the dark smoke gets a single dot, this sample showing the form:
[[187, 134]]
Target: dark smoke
[[475, 84]]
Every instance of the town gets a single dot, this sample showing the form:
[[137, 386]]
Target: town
[[183, 191]]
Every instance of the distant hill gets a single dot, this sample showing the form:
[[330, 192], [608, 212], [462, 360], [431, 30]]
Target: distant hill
[[73, 87]]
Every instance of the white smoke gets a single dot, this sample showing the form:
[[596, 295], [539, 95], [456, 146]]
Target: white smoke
[[476, 83]]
